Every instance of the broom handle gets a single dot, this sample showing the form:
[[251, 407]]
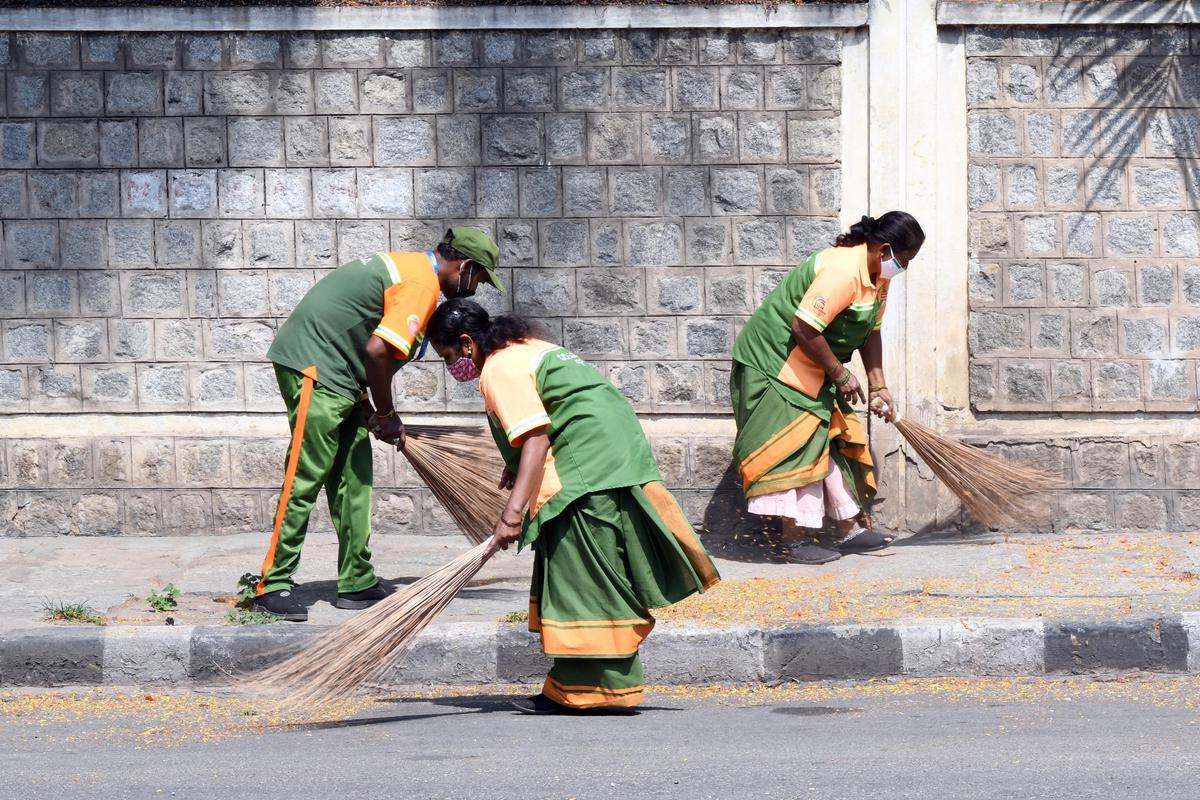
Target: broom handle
[[895, 419]]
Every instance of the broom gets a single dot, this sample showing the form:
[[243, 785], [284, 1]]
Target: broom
[[453, 463], [345, 658], [998, 493], [471, 498]]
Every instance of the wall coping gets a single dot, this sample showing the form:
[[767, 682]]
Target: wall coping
[[1106, 12], [484, 17]]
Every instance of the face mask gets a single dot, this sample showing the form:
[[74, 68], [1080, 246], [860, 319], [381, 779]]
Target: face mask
[[463, 370], [468, 292], [891, 268]]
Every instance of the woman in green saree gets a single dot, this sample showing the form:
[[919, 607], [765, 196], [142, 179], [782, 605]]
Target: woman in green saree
[[801, 450], [610, 542]]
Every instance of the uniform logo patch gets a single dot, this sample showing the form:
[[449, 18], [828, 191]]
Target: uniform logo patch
[[414, 324], [819, 306]]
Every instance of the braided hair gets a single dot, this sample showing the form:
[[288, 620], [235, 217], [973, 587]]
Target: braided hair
[[898, 228]]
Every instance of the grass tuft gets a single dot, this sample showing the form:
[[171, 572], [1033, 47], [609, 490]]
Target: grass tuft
[[82, 613], [240, 616], [516, 617]]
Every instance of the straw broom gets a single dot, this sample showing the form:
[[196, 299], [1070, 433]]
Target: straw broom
[[454, 463], [998, 493], [353, 653], [468, 454]]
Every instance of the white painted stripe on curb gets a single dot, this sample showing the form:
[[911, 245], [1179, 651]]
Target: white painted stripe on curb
[[686, 655], [1191, 628], [147, 656], [462, 653], [974, 647]]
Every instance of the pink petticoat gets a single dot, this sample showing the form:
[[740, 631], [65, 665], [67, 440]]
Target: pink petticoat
[[809, 505]]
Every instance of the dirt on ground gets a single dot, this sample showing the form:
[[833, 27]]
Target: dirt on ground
[[1111, 577]]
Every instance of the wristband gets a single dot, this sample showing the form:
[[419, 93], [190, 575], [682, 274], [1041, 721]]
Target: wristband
[[846, 376], [877, 389]]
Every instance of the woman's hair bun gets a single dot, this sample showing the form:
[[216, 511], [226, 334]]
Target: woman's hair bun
[[896, 228]]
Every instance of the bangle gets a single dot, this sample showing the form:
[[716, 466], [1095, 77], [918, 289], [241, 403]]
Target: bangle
[[878, 389], [846, 376], [391, 412], [516, 524]]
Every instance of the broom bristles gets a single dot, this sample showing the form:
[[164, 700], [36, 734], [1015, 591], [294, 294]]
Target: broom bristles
[[461, 468], [998, 493], [342, 660]]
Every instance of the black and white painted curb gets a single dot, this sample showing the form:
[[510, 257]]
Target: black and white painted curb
[[464, 654]]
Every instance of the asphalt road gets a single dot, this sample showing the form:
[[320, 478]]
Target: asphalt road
[[966, 740]]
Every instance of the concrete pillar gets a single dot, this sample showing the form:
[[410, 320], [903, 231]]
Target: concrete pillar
[[917, 158]]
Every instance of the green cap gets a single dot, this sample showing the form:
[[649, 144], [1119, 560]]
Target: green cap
[[479, 247]]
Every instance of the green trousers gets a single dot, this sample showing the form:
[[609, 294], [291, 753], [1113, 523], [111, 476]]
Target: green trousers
[[330, 449]]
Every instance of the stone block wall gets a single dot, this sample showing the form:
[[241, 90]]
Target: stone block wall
[[167, 198], [142, 485], [1085, 238], [1083, 188]]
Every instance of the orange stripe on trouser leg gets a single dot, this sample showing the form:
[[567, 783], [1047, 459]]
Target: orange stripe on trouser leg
[[289, 476]]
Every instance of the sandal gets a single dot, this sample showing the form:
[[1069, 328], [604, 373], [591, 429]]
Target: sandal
[[863, 540]]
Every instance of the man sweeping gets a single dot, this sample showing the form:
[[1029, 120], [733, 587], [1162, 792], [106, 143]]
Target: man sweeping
[[350, 333]]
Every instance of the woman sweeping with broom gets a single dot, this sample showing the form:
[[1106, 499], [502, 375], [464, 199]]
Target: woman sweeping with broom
[[610, 543], [800, 448]]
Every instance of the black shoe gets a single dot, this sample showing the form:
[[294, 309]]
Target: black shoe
[[356, 601], [540, 704], [812, 553], [280, 603]]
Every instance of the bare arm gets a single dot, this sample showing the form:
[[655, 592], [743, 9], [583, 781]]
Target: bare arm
[[379, 358], [533, 460], [813, 344], [872, 356], [379, 373]]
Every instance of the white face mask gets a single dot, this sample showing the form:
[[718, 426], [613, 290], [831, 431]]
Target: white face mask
[[891, 267]]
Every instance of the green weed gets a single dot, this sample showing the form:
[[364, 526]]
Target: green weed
[[59, 611], [516, 617], [164, 599], [247, 588]]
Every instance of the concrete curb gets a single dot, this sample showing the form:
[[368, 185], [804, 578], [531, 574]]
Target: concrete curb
[[477, 653]]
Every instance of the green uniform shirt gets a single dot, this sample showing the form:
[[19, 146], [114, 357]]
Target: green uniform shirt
[[596, 441], [830, 291], [389, 295]]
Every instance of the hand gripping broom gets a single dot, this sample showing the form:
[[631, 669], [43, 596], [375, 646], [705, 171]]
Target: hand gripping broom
[[456, 465], [998, 493]]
